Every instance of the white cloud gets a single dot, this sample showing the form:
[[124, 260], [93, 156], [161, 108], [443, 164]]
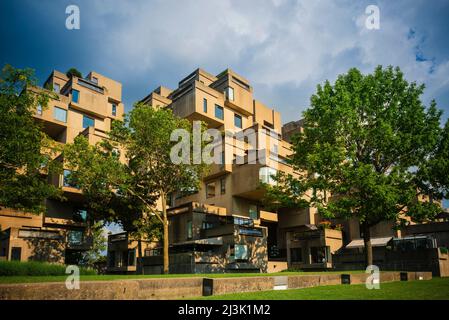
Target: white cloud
[[280, 45]]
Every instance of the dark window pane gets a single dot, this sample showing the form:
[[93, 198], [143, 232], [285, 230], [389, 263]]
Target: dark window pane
[[219, 113], [88, 122]]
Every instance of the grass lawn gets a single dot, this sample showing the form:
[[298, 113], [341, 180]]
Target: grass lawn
[[435, 289], [29, 279]]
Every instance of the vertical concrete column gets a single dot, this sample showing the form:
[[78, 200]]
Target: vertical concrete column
[[287, 247], [308, 254]]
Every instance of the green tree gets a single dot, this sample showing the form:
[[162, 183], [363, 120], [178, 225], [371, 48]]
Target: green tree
[[128, 191], [73, 72], [23, 184], [94, 254], [146, 136], [368, 150], [105, 182]]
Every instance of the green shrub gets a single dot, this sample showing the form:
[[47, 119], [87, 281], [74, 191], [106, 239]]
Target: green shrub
[[35, 268], [443, 250]]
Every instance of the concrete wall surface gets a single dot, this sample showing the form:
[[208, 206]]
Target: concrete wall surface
[[179, 288], [172, 288]]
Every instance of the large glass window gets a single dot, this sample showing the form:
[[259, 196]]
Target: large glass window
[[189, 227], [219, 112], [253, 212], [210, 190], [75, 95], [229, 93], [205, 105], [296, 254], [75, 237], [238, 121], [16, 253], [319, 254], [60, 114], [243, 221], [80, 215], [88, 122], [223, 185], [241, 252], [131, 257], [266, 175], [68, 180]]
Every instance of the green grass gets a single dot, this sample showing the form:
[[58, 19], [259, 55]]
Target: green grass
[[35, 268], [435, 289], [29, 279]]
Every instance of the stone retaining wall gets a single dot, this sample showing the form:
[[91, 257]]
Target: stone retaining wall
[[171, 288], [178, 288]]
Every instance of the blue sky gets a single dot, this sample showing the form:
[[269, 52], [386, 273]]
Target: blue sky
[[285, 48]]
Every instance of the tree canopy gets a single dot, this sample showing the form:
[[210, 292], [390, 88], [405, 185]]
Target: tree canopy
[[73, 72], [23, 164], [126, 190], [369, 150]]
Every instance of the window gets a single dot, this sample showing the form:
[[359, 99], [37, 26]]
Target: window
[[75, 237], [205, 105], [229, 93], [266, 175], [296, 254], [207, 225], [39, 109], [189, 227], [319, 254], [60, 114], [68, 180], [56, 88], [16, 253], [274, 149], [152, 252], [238, 121], [223, 185], [241, 252], [111, 255], [114, 109], [253, 212], [131, 257], [88, 122], [243, 222], [251, 232], [210, 190], [75, 95], [222, 159], [94, 80], [219, 112], [80, 215]]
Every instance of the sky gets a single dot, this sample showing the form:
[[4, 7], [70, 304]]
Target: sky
[[284, 48]]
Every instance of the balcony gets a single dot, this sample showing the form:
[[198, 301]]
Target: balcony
[[268, 216], [50, 221], [94, 135], [246, 181]]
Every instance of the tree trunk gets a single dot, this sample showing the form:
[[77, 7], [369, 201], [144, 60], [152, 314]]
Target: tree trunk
[[164, 213], [139, 260], [367, 242]]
